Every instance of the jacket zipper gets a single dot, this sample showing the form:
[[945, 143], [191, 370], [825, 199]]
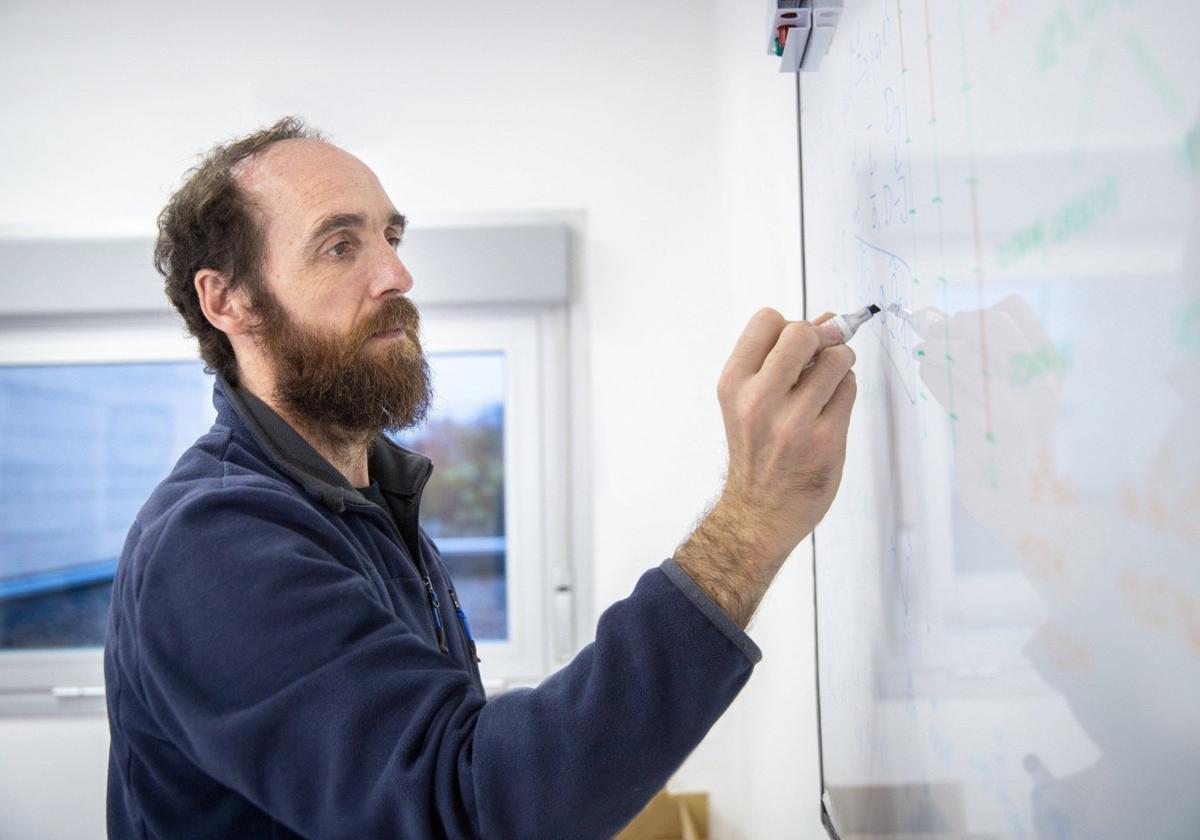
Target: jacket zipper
[[437, 614], [462, 619], [435, 604]]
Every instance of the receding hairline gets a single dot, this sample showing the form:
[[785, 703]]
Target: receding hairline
[[252, 161], [252, 179], [254, 171]]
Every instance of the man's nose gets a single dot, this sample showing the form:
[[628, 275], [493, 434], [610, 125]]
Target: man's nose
[[389, 274]]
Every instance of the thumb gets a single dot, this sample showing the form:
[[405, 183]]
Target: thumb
[[830, 333]]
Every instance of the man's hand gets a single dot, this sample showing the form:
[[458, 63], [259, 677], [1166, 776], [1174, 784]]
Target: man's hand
[[787, 443]]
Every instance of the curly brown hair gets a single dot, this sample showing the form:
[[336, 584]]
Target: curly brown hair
[[210, 223]]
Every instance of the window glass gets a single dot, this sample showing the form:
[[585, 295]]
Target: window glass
[[462, 508], [81, 447]]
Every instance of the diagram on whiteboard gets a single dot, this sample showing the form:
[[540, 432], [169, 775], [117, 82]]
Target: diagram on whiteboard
[[1009, 581]]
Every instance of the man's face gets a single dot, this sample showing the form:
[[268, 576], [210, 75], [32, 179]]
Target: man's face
[[340, 337]]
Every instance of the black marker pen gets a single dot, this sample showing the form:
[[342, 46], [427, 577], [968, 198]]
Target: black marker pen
[[846, 325]]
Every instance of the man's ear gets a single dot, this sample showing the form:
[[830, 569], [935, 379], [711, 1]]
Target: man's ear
[[225, 307]]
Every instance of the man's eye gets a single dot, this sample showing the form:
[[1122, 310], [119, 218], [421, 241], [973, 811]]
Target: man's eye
[[396, 241], [338, 253]]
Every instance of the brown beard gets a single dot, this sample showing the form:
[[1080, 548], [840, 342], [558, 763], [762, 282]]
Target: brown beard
[[348, 386]]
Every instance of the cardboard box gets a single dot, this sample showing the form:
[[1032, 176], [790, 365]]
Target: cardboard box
[[680, 816]]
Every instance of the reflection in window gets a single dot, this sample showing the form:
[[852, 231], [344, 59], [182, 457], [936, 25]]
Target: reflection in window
[[81, 447], [463, 504]]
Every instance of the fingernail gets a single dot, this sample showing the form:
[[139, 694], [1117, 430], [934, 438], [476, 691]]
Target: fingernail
[[829, 333]]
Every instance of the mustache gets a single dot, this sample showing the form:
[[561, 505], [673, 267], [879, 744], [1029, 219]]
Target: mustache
[[395, 314]]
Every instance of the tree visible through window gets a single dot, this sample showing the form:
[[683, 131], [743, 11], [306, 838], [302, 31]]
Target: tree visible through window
[[463, 505]]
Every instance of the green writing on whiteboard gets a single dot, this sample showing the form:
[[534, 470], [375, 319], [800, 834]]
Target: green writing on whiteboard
[[1043, 360], [1082, 213], [1065, 25], [1187, 327], [1073, 219], [1022, 242], [1153, 72]]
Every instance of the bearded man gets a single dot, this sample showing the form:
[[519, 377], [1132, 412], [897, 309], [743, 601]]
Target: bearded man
[[286, 655]]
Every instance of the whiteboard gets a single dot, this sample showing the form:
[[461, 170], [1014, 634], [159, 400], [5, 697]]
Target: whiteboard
[[1008, 583]]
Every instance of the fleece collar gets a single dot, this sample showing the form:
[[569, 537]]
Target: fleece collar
[[397, 470]]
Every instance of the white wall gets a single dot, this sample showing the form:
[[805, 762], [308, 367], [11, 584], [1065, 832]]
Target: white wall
[[660, 130]]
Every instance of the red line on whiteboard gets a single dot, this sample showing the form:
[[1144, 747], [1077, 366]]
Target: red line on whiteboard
[[987, 383], [929, 55]]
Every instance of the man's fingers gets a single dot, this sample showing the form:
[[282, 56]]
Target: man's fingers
[[778, 351], [818, 383], [829, 334], [839, 405], [757, 340], [797, 344]]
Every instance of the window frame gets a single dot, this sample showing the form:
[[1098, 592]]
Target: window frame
[[71, 680], [539, 578], [533, 458]]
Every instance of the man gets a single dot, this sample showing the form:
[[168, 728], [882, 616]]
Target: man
[[284, 658]]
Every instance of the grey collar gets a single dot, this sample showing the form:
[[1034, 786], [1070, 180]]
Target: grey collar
[[398, 471]]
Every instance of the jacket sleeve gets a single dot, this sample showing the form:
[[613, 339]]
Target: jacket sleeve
[[272, 665]]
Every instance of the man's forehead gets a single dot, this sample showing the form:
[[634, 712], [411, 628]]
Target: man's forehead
[[293, 161], [298, 181]]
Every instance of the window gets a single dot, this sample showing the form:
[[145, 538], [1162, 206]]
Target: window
[[500, 522], [463, 504], [81, 447], [95, 412]]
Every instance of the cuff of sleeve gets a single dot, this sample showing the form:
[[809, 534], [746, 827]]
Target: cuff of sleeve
[[709, 607]]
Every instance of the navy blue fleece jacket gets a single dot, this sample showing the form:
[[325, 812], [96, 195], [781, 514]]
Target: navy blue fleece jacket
[[273, 667]]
